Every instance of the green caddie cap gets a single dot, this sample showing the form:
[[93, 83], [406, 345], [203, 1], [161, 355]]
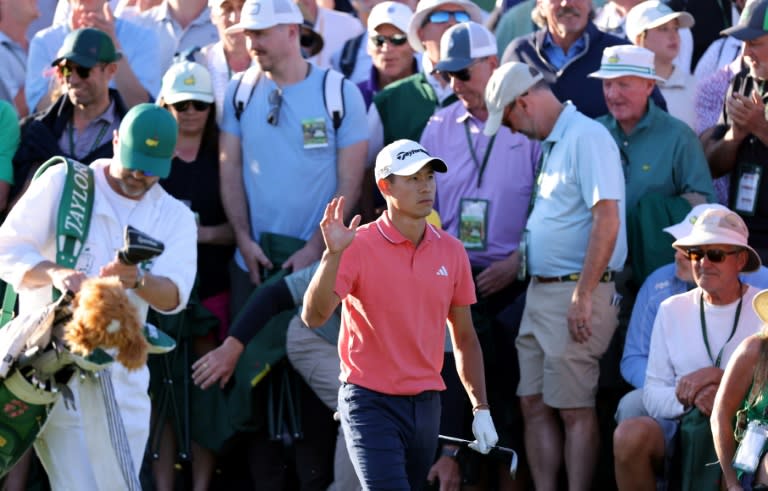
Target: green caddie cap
[[87, 47], [147, 140]]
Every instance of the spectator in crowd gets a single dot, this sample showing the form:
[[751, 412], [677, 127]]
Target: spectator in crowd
[[228, 55], [129, 9], [712, 16], [187, 93], [653, 25], [180, 25], [15, 19], [566, 49], [9, 142], [660, 154], [737, 145], [388, 402], [571, 306], [79, 123], [137, 76], [424, 92], [391, 55], [335, 28], [720, 53], [483, 200], [678, 379], [125, 193]]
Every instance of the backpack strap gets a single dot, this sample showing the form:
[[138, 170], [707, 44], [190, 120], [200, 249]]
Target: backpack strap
[[333, 96], [73, 221], [244, 90], [348, 58]]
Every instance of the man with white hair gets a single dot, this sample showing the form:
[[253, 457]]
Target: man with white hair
[[681, 379], [573, 244]]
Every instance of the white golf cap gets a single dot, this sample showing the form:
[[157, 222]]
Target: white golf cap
[[506, 83], [405, 158], [263, 14], [650, 14], [425, 7], [394, 13]]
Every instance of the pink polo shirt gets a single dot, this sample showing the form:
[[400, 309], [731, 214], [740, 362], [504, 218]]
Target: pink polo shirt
[[396, 299]]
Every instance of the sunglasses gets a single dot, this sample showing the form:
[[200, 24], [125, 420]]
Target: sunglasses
[[464, 74], [275, 100], [66, 70], [395, 40], [443, 16], [184, 105], [714, 255]]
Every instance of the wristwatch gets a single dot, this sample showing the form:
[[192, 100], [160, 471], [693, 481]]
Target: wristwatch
[[451, 452], [140, 278]]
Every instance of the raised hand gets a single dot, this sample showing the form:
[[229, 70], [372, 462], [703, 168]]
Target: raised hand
[[336, 235]]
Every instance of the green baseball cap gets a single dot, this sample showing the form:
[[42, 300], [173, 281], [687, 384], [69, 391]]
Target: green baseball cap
[[147, 140], [87, 47]]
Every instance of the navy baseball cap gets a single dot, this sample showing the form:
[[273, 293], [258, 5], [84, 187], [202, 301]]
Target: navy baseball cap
[[464, 43], [753, 22]]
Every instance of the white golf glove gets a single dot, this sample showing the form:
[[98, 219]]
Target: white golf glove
[[484, 431]]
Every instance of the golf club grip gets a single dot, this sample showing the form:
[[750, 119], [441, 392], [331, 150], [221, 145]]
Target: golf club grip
[[465, 443]]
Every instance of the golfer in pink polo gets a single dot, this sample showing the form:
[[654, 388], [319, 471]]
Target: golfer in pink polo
[[399, 280]]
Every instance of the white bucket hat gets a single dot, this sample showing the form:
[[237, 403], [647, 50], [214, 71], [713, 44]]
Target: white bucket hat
[[506, 83], [263, 14], [186, 81], [720, 227], [626, 60], [685, 227], [405, 158], [650, 14], [394, 13], [425, 7]]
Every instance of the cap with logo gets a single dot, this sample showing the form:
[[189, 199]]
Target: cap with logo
[[651, 14], [685, 227], [405, 158], [263, 14], [508, 81], [627, 60], [426, 7], [720, 227], [394, 13], [147, 140], [87, 47], [464, 43], [753, 22], [186, 81]]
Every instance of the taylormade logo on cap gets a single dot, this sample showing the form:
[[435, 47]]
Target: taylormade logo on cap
[[405, 158]]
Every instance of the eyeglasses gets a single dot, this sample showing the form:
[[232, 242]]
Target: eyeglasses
[[443, 16], [184, 105], [275, 100], [464, 74], [395, 40], [714, 255], [66, 70]]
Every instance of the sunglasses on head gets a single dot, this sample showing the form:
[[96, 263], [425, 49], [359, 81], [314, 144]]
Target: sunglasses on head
[[184, 105], [66, 70], [395, 40], [443, 16], [275, 100], [714, 255]]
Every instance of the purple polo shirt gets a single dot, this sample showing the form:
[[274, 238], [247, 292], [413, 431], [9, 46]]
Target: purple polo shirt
[[506, 184]]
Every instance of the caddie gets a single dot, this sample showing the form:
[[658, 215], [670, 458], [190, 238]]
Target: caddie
[[125, 192]]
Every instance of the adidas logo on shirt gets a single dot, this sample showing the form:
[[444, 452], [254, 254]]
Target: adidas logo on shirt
[[442, 271]]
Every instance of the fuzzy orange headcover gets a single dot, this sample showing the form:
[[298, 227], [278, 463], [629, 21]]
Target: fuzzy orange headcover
[[104, 317]]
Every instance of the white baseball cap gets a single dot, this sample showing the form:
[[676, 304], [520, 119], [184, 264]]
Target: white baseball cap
[[394, 13], [627, 60], [506, 83], [405, 158], [464, 43], [186, 81], [425, 7], [263, 14], [650, 14]]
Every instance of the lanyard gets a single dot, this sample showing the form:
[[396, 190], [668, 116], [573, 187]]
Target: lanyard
[[480, 166], [102, 132], [704, 328]]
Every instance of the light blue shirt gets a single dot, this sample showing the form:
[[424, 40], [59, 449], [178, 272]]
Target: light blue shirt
[[659, 286], [138, 45], [287, 185], [555, 54], [581, 166]]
